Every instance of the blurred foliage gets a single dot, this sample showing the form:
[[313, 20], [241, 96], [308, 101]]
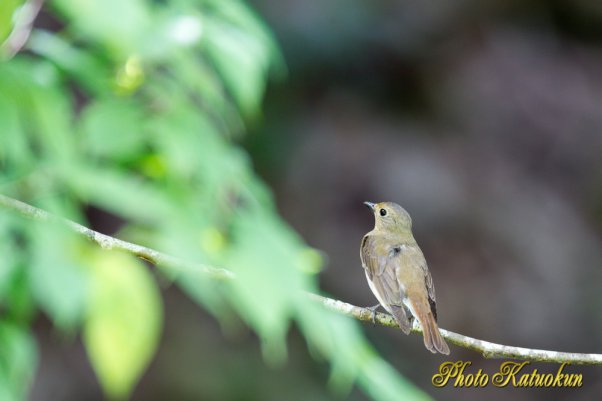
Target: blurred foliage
[[133, 108]]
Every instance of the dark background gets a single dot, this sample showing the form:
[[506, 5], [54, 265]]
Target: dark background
[[483, 119]]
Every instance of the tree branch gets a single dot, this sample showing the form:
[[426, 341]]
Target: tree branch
[[23, 26], [108, 242], [487, 349]]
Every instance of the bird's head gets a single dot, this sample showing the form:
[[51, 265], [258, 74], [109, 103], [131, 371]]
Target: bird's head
[[391, 217]]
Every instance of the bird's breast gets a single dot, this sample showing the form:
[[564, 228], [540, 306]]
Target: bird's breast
[[377, 294]]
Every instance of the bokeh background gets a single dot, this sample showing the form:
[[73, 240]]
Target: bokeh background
[[484, 120]]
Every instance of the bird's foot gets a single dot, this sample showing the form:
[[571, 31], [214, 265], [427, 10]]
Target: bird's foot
[[373, 310]]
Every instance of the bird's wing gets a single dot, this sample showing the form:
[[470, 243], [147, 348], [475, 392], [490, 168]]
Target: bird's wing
[[371, 262], [380, 269], [431, 291], [428, 281]]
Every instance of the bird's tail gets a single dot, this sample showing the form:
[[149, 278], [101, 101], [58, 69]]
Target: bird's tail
[[432, 337], [401, 318], [430, 331]]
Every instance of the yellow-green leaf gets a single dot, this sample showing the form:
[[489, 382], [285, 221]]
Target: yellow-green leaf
[[124, 320]]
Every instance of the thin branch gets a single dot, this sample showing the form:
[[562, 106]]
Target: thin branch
[[108, 242], [27, 13], [487, 349]]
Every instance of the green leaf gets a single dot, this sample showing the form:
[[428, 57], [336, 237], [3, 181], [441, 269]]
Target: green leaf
[[268, 283], [18, 359], [14, 151], [44, 109], [352, 358], [15, 292], [59, 283], [191, 144], [181, 137], [243, 52], [126, 195], [124, 320], [88, 71], [379, 379], [112, 128], [52, 113], [9, 253], [243, 62], [120, 26]]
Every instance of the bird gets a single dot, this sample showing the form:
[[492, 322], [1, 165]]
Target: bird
[[397, 273]]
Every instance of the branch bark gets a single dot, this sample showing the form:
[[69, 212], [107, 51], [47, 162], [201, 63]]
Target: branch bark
[[23, 27], [108, 242], [485, 348]]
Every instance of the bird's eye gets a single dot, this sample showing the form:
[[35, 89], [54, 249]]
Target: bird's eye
[[383, 212]]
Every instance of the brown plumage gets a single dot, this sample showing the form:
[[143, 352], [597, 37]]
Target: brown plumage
[[397, 272]]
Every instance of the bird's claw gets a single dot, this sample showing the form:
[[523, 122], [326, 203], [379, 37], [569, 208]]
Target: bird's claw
[[373, 310]]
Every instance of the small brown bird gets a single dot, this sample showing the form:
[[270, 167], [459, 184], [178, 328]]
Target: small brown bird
[[397, 272]]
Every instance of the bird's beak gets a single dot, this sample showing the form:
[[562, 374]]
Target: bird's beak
[[370, 205]]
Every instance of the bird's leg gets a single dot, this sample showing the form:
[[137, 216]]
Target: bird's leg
[[373, 310]]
